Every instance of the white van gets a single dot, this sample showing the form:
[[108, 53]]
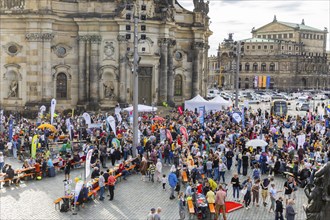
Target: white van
[[211, 93]]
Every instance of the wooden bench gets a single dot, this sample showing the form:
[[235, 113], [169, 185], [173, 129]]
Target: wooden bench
[[93, 192], [212, 209], [184, 177], [191, 208], [57, 202], [75, 163], [131, 167], [118, 176], [27, 175], [5, 180]]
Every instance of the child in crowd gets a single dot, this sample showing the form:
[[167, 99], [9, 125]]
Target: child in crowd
[[164, 181]]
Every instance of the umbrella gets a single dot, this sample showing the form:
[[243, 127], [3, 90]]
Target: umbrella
[[49, 126], [256, 143], [158, 118]]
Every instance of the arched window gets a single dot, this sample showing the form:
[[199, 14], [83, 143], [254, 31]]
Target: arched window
[[178, 85], [272, 67], [239, 83], [255, 67], [263, 67], [304, 83], [61, 86], [246, 83], [247, 67]]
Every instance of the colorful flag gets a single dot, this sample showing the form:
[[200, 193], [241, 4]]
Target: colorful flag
[[10, 129], [88, 163], [180, 110], [201, 114], [256, 82], [87, 118], [264, 81], [34, 146], [111, 123], [268, 82], [52, 110]]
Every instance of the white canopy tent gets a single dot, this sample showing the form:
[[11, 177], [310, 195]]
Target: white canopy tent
[[195, 102], [218, 103], [141, 108]]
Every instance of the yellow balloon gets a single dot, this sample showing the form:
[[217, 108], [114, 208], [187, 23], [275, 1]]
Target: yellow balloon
[[76, 179]]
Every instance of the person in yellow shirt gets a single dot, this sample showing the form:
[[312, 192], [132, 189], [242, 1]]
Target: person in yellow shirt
[[213, 184], [210, 196]]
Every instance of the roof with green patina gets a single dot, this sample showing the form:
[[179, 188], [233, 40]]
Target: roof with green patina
[[301, 26]]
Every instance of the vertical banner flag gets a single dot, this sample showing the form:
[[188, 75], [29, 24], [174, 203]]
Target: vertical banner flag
[[52, 110], [69, 126], [117, 113], [131, 117], [260, 81], [256, 82], [180, 110], [87, 118], [268, 82], [111, 123], [88, 163], [264, 81], [201, 115], [243, 118], [34, 146], [237, 117], [10, 129], [1, 115]]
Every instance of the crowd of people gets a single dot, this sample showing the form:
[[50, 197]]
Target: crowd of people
[[296, 147]]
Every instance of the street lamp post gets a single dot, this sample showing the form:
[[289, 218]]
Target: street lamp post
[[238, 55], [136, 85]]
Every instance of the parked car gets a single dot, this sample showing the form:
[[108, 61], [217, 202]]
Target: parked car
[[320, 97], [211, 93], [304, 107]]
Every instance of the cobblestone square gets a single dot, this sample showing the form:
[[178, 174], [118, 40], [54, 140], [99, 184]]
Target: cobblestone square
[[133, 200]]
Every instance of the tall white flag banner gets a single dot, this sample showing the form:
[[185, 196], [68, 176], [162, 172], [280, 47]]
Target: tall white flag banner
[[119, 118], [52, 110], [87, 118], [88, 163], [112, 123]]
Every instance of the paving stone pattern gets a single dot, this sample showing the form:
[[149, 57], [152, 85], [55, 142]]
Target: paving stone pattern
[[133, 200]]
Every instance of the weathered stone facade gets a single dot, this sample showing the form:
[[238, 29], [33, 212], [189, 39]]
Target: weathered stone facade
[[291, 56], [80, 52]]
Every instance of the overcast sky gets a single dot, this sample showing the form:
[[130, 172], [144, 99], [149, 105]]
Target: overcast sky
[[240, 16]]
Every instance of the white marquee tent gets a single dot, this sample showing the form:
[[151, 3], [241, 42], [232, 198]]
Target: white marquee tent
[[216, 104], [195, 102], [141, 108], [219, 103]]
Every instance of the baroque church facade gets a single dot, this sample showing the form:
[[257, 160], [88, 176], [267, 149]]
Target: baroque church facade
[[279, 55], [81, 52]]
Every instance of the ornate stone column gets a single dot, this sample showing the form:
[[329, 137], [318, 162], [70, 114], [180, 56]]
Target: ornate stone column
[[197, 48], [42, 41], [93, 68], [163, 43], [123, 79], [170, 76], [82, 94]]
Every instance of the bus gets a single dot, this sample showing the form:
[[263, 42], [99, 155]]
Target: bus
[[279, 107]]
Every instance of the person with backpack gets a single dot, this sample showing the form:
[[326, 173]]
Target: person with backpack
[[222, 170], [279, 209], [182, 205], [256, 172], [245, 163], [263, 161], [229, 157]]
